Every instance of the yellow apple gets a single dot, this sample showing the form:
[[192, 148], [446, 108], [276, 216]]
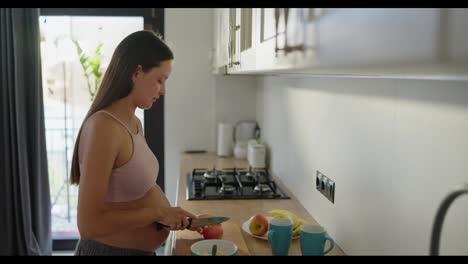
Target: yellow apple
[[258, 225]]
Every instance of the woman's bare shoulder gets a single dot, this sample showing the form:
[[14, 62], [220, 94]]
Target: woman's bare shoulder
[[102, 123], [101, 129]]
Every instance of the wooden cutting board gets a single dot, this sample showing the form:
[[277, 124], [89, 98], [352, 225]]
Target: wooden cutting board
[[231, 232]]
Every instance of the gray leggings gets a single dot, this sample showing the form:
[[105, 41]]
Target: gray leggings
[[94, 248]]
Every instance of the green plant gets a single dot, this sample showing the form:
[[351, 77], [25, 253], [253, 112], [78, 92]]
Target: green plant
[[91, 65]]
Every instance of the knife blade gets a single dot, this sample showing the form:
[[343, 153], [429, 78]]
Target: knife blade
[[198, 222]]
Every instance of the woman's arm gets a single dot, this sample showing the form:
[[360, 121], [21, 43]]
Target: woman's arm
[[99, 148]]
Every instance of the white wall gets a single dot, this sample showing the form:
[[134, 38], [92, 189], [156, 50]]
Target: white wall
[[235, 99], [195, 99], [393, 147]]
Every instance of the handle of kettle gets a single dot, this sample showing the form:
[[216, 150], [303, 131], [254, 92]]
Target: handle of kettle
[[257, 132], [234, 132]]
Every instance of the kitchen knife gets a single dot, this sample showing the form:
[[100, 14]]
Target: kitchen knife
[[203, 221]]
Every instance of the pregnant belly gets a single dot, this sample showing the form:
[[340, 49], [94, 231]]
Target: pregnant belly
[[146, 238], [149, 238]]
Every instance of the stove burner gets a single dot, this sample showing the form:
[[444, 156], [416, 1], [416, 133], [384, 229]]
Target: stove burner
[[232, 184], [262, 188], [226, 188], [210, 175]]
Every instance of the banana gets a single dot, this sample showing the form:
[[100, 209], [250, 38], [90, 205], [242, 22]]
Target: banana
[[297, 222], [297, 226], [296, 232], [279, 213]]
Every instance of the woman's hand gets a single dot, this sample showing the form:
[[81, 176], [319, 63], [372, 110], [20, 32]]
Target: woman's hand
[[173, 217]]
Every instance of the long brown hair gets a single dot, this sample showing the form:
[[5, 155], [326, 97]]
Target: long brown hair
[[139, 48]]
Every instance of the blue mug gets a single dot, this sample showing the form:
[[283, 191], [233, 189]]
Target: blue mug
[[280, 235], [313, 238]]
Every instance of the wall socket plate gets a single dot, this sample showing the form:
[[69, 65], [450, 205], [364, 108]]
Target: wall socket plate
[[325, 186]]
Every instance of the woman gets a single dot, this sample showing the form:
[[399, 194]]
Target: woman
[[119, 202]]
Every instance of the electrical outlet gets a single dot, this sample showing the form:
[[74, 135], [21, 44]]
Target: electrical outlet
[[325, 186], [331, 190], [318, 181]]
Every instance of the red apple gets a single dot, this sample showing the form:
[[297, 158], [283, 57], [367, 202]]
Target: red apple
[[258, 225], [213, 232]]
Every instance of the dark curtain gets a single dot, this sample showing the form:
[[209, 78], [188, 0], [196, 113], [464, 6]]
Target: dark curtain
[[25, 214]]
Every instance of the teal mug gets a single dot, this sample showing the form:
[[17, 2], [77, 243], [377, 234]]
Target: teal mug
[[280, 235], [313, 238]]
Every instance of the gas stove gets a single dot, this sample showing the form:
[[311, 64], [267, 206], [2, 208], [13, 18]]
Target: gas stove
[[232, 184]]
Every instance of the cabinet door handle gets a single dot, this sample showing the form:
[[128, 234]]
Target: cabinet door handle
[[230, 45], [286, 15], [233, 47], [277, 15]]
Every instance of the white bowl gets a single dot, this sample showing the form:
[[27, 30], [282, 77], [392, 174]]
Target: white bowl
[[204, 247]]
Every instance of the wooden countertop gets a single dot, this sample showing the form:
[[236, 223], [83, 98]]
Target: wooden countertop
[[238, 210]]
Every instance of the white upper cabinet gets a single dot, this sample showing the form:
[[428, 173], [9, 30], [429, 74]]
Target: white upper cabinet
[[271, 40], [374, 37], [401, 42], [247, 35], [221, 39], [408, 43], [233, 40], [456, 34], [241, 45]]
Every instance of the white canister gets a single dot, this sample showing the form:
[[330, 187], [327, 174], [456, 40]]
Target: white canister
[[250, 145], [257, 155], [225, 142]]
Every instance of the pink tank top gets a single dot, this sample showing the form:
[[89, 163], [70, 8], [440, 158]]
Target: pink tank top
[[138, 175]]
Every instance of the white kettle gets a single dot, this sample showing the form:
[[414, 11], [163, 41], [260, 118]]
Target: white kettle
[[240, 150], [245, 131]]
